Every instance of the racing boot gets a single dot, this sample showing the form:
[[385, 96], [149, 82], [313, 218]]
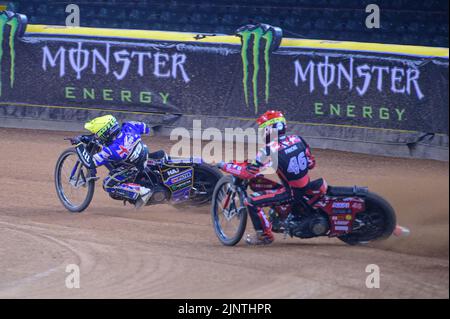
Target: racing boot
[[144, 195], [260, 238], [263, 227]]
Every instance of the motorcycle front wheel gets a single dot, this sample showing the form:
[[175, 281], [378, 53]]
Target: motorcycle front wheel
[[228, 212], [73, 186]]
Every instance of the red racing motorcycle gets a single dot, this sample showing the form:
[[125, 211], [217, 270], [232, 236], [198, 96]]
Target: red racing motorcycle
[[352, 214]]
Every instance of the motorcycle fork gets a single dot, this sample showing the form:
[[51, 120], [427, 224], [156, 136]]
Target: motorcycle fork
[[231, 193], [75, 174], [227, 199], [243, 200]]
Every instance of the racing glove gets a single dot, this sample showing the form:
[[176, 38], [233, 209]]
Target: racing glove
[[253, 168], [81, 139]]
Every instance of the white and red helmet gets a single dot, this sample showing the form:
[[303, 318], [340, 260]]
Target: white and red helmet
[[272, 120]]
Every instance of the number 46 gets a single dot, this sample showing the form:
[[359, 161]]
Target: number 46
[[298, 163]]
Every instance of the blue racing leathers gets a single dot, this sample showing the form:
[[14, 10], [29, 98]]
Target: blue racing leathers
[[124, 157]]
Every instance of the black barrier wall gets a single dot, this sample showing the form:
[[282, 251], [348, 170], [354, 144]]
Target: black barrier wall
[[77, 76]]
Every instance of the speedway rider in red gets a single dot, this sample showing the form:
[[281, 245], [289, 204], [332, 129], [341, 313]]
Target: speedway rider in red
[[294, 159]]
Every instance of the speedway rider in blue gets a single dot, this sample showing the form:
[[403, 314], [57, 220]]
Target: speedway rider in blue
[[124, 154]]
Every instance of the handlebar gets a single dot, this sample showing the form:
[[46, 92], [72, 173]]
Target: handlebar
[[86, 139], [241, 169], [220, 165]]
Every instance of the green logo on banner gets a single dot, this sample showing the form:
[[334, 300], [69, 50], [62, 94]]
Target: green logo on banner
[[257, 38], [13, 24]]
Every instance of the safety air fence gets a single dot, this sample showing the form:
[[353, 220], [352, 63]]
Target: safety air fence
[[363, 97]]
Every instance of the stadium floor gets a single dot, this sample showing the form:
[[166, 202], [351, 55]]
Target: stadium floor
[[162, 252]]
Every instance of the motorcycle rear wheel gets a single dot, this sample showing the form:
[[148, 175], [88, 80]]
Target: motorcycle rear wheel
[[380, 220], [233, 211], [205, 180], [81, 182]]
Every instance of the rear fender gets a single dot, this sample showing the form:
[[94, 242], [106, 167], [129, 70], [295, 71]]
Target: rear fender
[[178, 178], [341, 212], [185, 161], [347, 191]]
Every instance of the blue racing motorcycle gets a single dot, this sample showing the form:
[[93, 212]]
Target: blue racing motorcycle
[[176, 181]]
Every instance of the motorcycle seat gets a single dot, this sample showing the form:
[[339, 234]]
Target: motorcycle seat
[[347, 191], [158, 155], [315, 184], [318, 186]]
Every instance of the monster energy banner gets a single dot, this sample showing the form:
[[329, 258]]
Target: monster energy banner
[[314, 86]]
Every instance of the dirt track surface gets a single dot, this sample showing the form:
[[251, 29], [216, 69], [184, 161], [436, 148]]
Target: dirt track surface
[[161, 252]]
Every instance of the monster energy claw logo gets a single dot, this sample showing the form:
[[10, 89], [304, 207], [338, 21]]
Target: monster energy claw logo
[[272, 37], [16, 23]]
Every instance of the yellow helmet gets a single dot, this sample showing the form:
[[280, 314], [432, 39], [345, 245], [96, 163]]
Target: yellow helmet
[[104, 127]]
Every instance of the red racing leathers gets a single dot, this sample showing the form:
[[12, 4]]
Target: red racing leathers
[[292, 158]]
